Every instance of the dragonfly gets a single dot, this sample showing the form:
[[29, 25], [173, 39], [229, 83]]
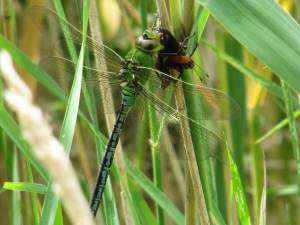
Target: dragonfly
[[148, 62]]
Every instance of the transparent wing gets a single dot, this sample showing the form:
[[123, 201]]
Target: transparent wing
[[163, 105], [55, 29], [66, 70], [211, 138], [215, 105], [63, 71]]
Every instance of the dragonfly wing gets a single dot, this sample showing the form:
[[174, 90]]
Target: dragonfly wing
[[164, 105], [66, 69], [211, 138], [56, 31], [63, 71], [215, 104]]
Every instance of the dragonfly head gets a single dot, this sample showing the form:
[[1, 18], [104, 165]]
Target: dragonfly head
[[149, 41]]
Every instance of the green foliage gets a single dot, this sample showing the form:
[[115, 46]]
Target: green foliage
[[238, 192], [29, 187], [266, 30]]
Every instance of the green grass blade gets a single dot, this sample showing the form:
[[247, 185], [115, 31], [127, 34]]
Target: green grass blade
[[66, 31], [277, 127], [25, 63], [144, 13], [49, 207], [257, 162], [144, 213], [266, 30], [198, 134], [59, 220], [155, 193], [198, 30], [287, 190], [292, 128], [175, 16], [271, 86], [10, 127], [68, 127], [12, 21], [236, 90], [34, 198], [238, 191], [23, 186], [201, 23], [263, 201], [155, 155], [16, 196], [69, 122]]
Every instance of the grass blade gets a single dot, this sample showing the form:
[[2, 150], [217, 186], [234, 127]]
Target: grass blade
[[23, 186], [34, 199], [16, 196], [25, 63], [271, 86], [276, 41], [236, 89], [293, 129], [263, 201], [277, 127], [155, 193], [238, 191], [12, 130], [69, 122]]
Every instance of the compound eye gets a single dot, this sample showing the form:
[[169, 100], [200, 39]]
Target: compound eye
[[148, 45]]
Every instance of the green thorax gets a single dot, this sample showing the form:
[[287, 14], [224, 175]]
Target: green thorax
[[147, 47], [142, 59], [138, 58]]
